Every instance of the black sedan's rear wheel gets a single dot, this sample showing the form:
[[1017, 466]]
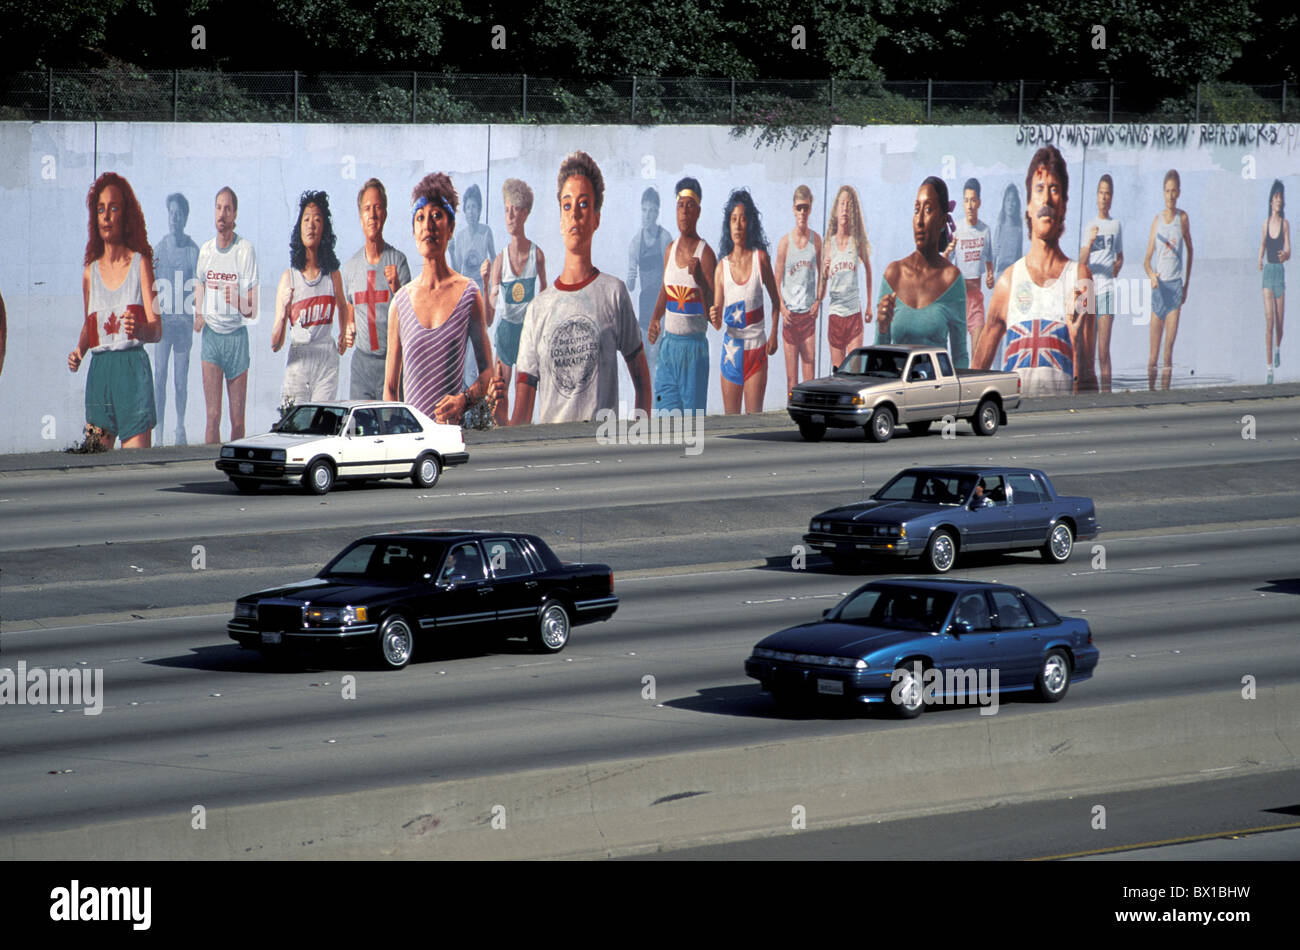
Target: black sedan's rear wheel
[[552, 631], [880, 426], [1060, 542], [396, 642], [812, 431], [941, 552], [1053, 680]]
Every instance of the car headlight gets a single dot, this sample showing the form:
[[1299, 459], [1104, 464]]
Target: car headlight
[[857, 401], [277, 455], [329, 616], [227, 452], [763, 653], [246, 611]]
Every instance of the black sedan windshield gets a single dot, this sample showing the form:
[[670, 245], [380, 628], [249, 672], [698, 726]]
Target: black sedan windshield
[[313, 420], [934, 488], [386, 561], [897, 608]]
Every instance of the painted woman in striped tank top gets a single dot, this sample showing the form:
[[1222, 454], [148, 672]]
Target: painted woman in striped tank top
[[743, 271], [120, 317], [438, 313]]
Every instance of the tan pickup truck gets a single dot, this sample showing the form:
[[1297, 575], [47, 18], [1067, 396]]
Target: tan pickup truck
[[878, 388]]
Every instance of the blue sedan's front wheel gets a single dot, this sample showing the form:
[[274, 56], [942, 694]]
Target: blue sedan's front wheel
[[907, 694], [1053, 680]]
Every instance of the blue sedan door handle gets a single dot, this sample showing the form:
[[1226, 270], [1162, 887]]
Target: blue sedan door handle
[[485, 590], [530, 584]]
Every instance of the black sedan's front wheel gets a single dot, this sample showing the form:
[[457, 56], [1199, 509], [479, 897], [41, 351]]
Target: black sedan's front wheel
[[396, 642], [552, 631]]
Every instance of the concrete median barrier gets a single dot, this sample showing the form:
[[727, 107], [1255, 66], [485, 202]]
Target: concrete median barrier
[[637, 804]]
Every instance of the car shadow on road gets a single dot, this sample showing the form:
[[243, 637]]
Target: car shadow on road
[[854, 436], [750, 702], [231, 658], [881, 567], [1288, 585]]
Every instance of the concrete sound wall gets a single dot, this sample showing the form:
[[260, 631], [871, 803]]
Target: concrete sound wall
[[46, 169]]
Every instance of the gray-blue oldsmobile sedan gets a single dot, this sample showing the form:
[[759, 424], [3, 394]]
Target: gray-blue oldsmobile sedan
[[937, 513], [889, 641]]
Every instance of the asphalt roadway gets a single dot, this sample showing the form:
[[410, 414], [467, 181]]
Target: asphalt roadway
[[128, 564]]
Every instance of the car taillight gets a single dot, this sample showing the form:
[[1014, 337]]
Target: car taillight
[[611, 582], [1017, 382]]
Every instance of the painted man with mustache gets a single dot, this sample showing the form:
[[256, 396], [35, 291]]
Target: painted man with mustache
[[1040, 300]]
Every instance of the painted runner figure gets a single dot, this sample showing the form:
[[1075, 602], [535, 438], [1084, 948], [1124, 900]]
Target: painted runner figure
[[225, 298], [1037, 300], [309, 302], [176, 258], [370, 278], [679, 322], [117, 290]]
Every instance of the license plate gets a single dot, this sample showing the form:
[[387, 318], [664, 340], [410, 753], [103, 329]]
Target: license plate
[[246, 468], [832, 687], [817, 419], [268, 637]]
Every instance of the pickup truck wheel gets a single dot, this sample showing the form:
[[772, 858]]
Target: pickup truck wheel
[[319, 479], [396, 642], [1053, 680], [941, 552], [881, 424], [919, 428], [986, 418], [246, 485], [812, 431], [1060, 542], [426, 472], [552, 631]]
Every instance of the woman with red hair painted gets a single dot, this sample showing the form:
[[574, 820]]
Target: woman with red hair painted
[[117, 288]]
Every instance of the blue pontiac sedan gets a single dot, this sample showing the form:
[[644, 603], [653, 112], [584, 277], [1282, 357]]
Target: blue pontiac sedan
[[891, 642]]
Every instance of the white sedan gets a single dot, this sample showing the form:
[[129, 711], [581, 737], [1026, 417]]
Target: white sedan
[[321, 442]]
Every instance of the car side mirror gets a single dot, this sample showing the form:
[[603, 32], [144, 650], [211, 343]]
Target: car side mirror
[[960, 627]]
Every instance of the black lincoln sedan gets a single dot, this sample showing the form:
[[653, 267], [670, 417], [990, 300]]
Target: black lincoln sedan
[[385, 592]]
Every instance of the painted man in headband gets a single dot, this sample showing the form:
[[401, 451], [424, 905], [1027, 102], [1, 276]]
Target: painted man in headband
[[682, 374]]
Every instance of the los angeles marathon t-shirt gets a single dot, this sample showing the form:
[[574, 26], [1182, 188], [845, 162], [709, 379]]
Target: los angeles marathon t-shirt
[[570, 341]]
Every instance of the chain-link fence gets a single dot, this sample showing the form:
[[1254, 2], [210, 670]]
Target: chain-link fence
[[204, 96]]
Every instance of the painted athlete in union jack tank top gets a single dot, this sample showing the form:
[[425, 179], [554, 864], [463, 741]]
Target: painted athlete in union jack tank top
[[1040, 301]]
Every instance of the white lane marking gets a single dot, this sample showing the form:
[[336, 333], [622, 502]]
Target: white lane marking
[[782, 600], [114, 623], [1134, 570], [518, 468]]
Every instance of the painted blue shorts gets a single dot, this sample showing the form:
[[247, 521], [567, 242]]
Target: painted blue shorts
[[228, 351], [682, 372]]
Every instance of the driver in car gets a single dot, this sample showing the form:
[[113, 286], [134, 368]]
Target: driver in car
[[980, 499]]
